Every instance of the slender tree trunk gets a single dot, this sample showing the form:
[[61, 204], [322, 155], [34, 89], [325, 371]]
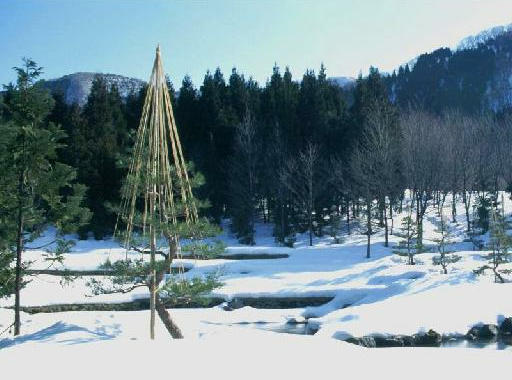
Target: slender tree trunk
[[418, 217], [310, 223], [382, 208], [467, 204], [17, 286], [454, 209], [386, 237], [441, 202], [420, 212], [348, 217], [391, 217], [368, 226], [311, 207], [283, 222], [19, 249]]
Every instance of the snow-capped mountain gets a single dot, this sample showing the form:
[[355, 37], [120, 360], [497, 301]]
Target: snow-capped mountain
[[343, 82], [76, 87], [472, 42], [474, 77]]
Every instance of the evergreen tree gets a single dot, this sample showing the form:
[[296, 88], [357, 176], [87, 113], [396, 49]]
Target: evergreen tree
[[159, 212], [132, 109], [101, 138], [277, 129], [187, 117], [444, 241], [169, 288], [499, 245], [409, 244], [37, 190], [218, 139], [334, 226]]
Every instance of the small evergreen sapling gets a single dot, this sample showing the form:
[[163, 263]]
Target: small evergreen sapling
[[334, 225], [444, 240], [409, 245], [499, 245], [170, 288]]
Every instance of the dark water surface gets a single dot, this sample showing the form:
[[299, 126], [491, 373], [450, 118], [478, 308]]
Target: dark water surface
[[501, 343]]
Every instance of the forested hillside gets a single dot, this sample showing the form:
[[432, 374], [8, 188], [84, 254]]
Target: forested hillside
[[474, 78]]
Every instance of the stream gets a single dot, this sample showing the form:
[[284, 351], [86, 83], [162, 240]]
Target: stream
[[500, 343]]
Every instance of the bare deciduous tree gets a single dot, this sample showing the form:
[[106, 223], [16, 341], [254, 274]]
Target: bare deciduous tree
[[305, 179], [243, 180]]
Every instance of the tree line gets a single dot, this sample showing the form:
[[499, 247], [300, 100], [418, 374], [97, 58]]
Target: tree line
[[305, 155], [302, 154]]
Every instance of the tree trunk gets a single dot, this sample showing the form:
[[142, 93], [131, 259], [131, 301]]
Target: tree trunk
[[310, 231], [467, 204], [19, 249], [368, 226], [391, 217], [310, 226], [420, 213], [283, 232], [386, 237], [166, 319], [311, 206], [348, 217], [454, 209], [164, 315], [382, 208], [17, 285]]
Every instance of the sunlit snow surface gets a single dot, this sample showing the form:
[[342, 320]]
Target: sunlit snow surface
[[386, 296]]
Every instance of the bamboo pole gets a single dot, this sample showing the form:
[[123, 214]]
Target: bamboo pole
[[150, 179]]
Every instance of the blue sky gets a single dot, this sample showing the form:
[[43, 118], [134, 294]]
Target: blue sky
[[115, 36]]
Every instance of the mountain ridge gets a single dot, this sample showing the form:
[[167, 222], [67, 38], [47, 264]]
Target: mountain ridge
[[474, 76], [75, 87]]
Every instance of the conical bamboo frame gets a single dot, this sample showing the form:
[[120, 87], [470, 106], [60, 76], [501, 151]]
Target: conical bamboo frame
[[150, 167]]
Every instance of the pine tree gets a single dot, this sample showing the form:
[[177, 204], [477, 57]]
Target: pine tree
[[409, 244], [100, 139], [218, 140], [187, 116], [277, 129], [444, 240], [499, 245], [334, 225], [36, 190], [158, 212]]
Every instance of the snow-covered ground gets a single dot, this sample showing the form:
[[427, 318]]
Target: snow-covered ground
[[385, 295], [246, 355]]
